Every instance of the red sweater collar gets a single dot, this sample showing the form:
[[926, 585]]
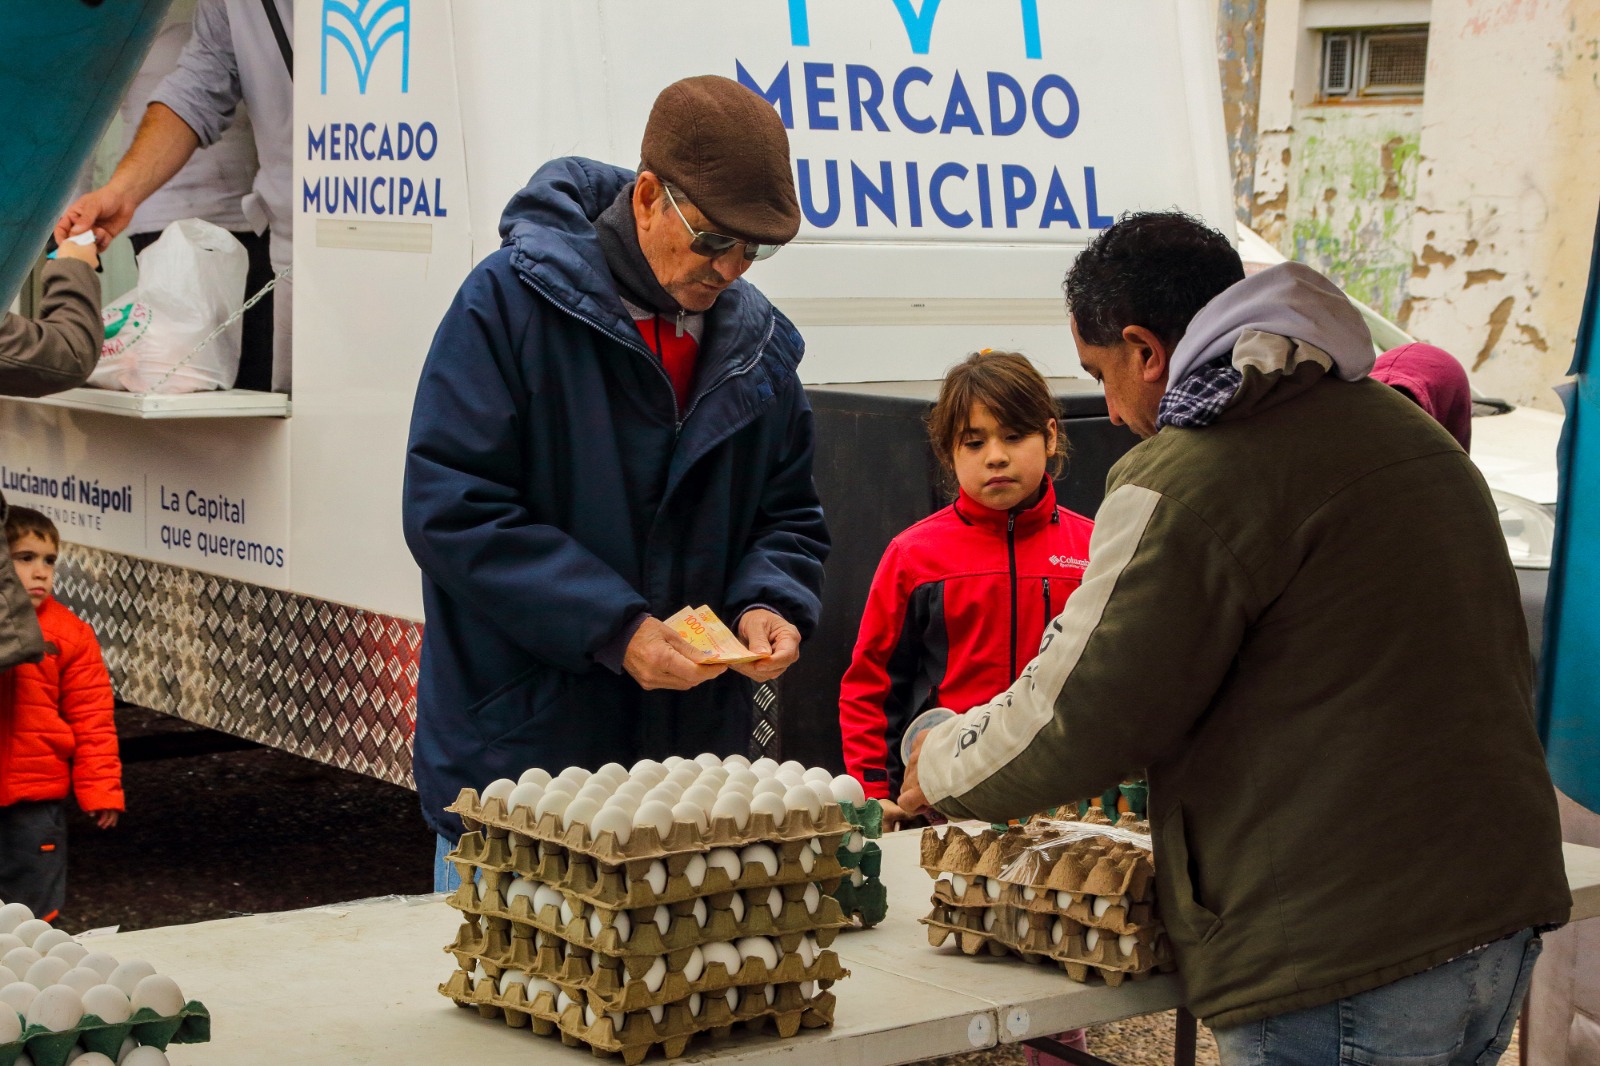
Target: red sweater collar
[[1028, 520]]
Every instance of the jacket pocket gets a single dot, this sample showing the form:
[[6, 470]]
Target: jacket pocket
[[1183, 911], [508, 707]]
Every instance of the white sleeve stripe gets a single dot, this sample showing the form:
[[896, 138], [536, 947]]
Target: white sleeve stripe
[[961, 754]]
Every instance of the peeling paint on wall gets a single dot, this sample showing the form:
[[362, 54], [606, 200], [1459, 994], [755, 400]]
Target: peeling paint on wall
[[1351, 196], [1239, 25]]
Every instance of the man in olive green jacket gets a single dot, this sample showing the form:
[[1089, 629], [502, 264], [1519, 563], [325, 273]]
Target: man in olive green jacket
[[1299, 615]]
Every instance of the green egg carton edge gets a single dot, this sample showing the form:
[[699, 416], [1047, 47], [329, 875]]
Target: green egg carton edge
[[191, 1025], [867, 817]]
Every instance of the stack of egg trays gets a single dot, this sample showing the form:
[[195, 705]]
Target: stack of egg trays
[[861, 894], [1125, 941], [611, 1009], [192, 1025]]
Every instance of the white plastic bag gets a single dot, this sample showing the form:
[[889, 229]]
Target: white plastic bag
[[190, 281]]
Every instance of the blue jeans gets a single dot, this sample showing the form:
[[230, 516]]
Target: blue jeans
[[1459, 1014], [445, 878]]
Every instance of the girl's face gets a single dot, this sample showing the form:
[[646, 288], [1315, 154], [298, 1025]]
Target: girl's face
[[998, 466], [35, 560]]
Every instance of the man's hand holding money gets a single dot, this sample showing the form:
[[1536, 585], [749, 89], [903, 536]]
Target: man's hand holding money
[[768, 635], [659, 658]]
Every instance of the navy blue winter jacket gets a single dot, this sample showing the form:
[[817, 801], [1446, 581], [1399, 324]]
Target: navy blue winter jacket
[[553, 491]]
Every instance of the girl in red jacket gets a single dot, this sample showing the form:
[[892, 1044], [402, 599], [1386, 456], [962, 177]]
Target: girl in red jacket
[[57, 733], [961, 599]]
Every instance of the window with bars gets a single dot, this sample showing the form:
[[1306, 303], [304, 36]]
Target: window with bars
[[1374, 63]]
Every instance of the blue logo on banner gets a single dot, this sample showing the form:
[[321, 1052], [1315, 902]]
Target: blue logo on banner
[[363, 27]]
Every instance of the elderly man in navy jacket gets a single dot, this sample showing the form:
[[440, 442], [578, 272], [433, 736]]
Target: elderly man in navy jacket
[[610, 427]]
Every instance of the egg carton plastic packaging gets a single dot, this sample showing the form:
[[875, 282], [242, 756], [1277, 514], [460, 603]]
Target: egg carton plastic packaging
[[777, 910], [44, 1047], [556, 1011], [1078, 949], [646, 842], [648, 882]]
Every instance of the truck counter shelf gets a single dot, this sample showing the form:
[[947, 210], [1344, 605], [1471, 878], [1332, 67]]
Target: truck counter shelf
[[229, 403]]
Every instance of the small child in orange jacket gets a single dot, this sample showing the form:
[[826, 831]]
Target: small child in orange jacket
[[57, 733]]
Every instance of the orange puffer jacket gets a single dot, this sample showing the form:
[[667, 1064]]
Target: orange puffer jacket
[[57, 733]]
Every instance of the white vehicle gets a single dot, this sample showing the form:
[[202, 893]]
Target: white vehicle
[[241, 555]]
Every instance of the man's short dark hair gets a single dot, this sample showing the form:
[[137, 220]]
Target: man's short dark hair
[[1154, 269]]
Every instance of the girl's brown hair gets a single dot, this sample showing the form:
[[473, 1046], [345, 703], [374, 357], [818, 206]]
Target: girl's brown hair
[[1006, 383]]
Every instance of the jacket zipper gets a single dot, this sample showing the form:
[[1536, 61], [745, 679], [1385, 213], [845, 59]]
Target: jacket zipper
[[1048, 616], [1011, 553]]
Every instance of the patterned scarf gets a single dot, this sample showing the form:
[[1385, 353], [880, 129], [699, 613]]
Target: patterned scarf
[[1199, 399]]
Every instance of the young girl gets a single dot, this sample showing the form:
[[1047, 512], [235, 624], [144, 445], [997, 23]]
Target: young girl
[[961, 599]]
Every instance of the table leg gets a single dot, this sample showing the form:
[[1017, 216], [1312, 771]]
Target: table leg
[[1188, 1032], [1183, 1052], [1051, 1046]]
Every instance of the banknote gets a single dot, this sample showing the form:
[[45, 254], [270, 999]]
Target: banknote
[[705, 632]]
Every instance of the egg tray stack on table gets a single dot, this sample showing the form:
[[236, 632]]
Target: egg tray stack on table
[[1076, 892], [631, 909], [861, 894], [61, 1001]]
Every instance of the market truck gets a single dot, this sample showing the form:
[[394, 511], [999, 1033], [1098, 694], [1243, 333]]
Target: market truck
[[240, 554]]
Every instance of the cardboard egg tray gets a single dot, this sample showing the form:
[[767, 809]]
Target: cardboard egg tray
[[1149, 953], [191, 1025], [669, 1026], [623, 886], [860, 893], [645, 842]]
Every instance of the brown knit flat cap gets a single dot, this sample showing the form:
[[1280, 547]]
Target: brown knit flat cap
[[726, 148]]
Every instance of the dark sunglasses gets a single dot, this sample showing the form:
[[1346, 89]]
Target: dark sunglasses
[[711, 245]]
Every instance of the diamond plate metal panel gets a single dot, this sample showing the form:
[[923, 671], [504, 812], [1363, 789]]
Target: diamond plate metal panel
[[333, 683]]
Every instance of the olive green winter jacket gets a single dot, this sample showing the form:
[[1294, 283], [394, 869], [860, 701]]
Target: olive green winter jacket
[[1303, 621]]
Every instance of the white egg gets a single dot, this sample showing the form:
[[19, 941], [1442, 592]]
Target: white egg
[[31, 930], [626, 802], [992, 887], [692, 814], [655, 814], [694, 871], [1028, 893], [737, 760], [10, 1026], [807, 950], [808, 860], [801, 798], [658, 1012], [708, 760], [815, 844], [594, 791], [789, 780], [775, 902], [17, 960], [51, 938], [713, 778], [18, 995], [614, 771], [990, 916], [808, 990], [576, 774], [770, 992], [650, 777], [695, 1003], [107, 1003], [1091, 937], [534, 776], [525, 794], [481, 884], [732, 996], [672, 762], [847, 789], [762, 855], [816, 775], [508, 978], [1058, 931], [70, 950], [1126, 943], [1022, 925], [13, 915], [128, 975], [812, 898], [694, 965], [958, 884], [563, 1001], [742, 778], [46, 972], [759, 947], [734, 806], [683, 773], [857, 878], [589, 1016], [736, 907], [6, 978], [633, 790], [769, 784], [144, 1055], [500, 788], [701, 796], [99, 962], [9, 942], [57, 1009], [726, 860], [663, 919], [579, 812], [554, 801], [91, 1058], [1063, 900], [721, 952], [617, 821], [540, 984], [666, 792], [158, 992], [623, 925], [1102, 904], [771, 805], [764, 767], [546, 896], [854, 842], [655, 875], [700, 913], [656, 974], [567, 913]]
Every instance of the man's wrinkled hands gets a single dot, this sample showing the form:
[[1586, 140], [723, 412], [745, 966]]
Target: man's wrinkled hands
[[766, 633], [659, 658], [911, 800], [106, 210]]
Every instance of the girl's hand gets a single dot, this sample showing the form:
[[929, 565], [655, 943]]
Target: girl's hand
[[104, 819]]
